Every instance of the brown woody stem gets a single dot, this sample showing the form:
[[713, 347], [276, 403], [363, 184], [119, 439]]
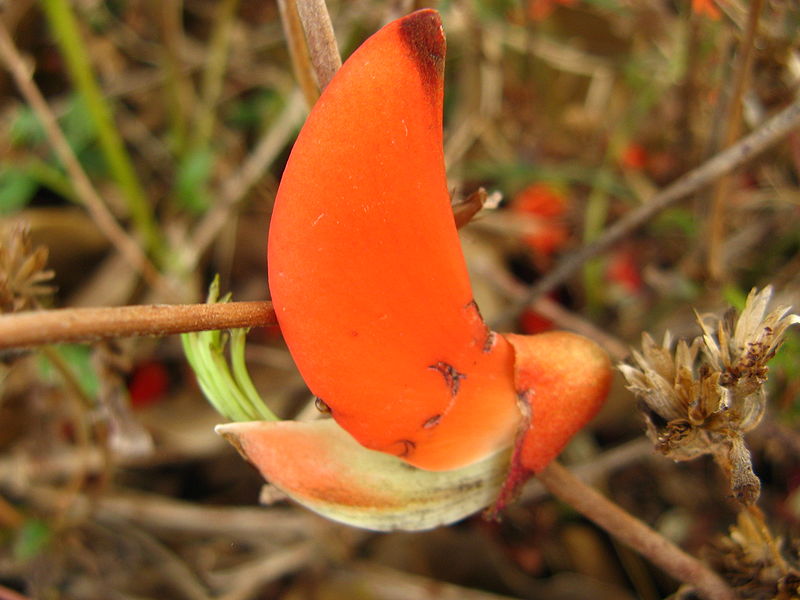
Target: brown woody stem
[[633, 532], [298, 50], [321, 39], [64, 325]]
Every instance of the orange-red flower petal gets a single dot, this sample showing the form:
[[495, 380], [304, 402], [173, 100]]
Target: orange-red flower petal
[[365, 266], [563, 378]]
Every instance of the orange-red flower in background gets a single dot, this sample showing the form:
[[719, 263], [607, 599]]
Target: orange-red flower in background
[[707, 8], [623, 270], [148, 383], [634, 157], [531, 322], [548, 206], [539, 10]]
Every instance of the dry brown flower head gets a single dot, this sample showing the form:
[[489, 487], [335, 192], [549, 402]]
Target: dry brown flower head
[[750, 558], [703, 396], [24, 279]]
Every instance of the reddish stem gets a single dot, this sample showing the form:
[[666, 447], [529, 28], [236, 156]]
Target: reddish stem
[[89, 324]]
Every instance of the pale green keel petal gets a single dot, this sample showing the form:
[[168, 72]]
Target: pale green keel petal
[[321, 467]]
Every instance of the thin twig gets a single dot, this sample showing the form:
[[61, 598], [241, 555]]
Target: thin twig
[[84, 189], [631, 531], [566, 319], [153, 511], [716, 234], [149, 511], [550, 309], [771, 132], [321, 39], [298, 50], [25, 329]]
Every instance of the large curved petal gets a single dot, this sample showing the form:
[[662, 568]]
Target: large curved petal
[[366, 271]]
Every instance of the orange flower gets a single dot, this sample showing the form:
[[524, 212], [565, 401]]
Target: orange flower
[[548, 205], [623, 270], [365, 267], [539, 10], [707, 8], [634, 157], [371, 291]]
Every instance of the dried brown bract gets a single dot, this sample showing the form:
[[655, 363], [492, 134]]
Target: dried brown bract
[[703, 396], [750, 559], [24, 279]]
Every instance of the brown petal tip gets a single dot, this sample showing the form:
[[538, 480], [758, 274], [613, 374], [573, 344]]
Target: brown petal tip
[[423, 34]]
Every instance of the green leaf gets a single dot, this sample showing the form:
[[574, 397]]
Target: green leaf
[[734, 296], [26, 130], [32, 538], [77, 125], [16, 190], [79, 359], [191, 186]]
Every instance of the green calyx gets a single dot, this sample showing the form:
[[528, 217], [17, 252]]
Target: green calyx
[[227, 387]]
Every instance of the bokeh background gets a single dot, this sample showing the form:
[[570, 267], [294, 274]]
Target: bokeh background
[[571, 113]]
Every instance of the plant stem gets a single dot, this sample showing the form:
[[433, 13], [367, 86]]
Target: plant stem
[[633, 532], [64, 25], [298, 50], [716, 234], [68, 325], [321, 39]]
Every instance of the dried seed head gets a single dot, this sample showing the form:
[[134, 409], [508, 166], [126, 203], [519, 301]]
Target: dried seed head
[[703, 396], [24, 281], [755, 563]]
